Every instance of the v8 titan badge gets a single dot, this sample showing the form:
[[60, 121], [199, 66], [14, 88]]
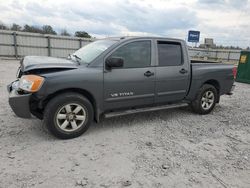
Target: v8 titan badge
[[124, 94]]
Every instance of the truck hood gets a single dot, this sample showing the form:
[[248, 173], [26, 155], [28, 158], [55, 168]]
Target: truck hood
[[42, 62]]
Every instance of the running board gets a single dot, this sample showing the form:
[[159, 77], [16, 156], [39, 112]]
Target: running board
[[146, 109]]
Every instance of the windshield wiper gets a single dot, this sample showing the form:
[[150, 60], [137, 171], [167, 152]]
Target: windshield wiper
[[77, 58]]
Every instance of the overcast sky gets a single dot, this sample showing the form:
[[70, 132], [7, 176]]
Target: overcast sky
[[227, 21]]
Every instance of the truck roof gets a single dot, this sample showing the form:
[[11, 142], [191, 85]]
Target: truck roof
[[122, 38]]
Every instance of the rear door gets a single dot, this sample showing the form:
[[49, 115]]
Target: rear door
[[172, 72], [133, 84]]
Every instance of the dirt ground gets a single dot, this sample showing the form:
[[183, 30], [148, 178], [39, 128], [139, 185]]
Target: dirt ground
[[170, 148]]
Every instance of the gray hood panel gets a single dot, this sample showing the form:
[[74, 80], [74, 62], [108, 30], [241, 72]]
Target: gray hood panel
[[43, 62]]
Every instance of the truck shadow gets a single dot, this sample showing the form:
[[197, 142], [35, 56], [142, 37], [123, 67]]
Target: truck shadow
[[39, 131], [143, 118]]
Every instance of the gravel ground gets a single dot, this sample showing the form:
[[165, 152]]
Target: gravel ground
[[170, 148]]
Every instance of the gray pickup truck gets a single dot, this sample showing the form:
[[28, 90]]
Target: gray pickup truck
[[112, 77]]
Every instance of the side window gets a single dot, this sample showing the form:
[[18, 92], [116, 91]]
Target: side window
[[135, 54], [169, 53]]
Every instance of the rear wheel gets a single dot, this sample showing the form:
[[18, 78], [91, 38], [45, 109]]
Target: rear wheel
[[205, 100], [68, 115]]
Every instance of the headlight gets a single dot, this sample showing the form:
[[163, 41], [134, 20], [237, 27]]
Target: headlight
[[31, 83]]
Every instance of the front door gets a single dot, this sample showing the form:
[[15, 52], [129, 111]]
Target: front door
[[133, 84]]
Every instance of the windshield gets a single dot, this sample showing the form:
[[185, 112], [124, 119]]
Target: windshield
[[89, 52]]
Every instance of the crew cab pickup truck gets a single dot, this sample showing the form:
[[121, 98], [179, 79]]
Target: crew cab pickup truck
[[112, 77]]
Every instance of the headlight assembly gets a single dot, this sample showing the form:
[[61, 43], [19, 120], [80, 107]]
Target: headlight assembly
[[31, 83]]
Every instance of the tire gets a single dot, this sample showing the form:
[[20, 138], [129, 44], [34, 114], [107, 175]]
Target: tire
[[205, 100], [68, 115]]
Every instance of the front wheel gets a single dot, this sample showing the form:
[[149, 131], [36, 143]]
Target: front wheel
[[68, 115], [205, 100]]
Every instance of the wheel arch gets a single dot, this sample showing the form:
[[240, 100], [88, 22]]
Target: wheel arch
[[217, 86], [83, 92]]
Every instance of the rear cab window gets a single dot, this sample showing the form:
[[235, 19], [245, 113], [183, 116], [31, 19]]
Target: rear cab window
[[169, 53]]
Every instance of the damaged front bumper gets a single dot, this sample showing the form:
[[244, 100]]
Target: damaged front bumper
[[20, 103]]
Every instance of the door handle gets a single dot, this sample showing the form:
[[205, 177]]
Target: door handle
[[183, 71], [148, 74]]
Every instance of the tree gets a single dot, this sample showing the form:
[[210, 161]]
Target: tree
[[3, 26], [16, 27], [27, 28], [220, 47], [33, 29], [64, 32], [83, 34], [47, 29]]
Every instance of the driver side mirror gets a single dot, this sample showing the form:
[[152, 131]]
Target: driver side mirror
[[114, 62]]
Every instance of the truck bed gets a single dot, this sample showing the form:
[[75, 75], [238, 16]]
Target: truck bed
[[206, 71]]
